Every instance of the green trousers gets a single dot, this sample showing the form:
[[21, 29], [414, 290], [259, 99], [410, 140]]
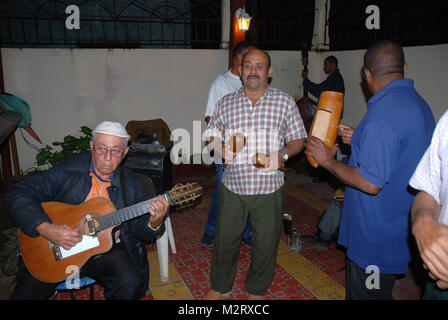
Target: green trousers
[[266, 217]]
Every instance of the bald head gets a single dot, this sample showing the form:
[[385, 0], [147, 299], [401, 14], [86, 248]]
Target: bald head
[[384, 58], [256, 51]]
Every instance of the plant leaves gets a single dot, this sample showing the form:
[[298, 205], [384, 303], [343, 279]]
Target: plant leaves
[[66, 149]]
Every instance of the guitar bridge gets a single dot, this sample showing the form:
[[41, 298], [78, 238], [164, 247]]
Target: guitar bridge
[[56, 251]]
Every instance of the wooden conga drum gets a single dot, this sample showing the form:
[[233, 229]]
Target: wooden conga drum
[[326, 119]]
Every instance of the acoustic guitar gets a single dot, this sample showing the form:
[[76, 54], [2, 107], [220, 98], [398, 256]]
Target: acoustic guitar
[[95, 220]]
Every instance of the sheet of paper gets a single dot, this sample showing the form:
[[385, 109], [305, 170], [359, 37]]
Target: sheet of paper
[[86, 243]]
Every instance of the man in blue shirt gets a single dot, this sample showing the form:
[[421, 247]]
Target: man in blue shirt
[[386, 148]]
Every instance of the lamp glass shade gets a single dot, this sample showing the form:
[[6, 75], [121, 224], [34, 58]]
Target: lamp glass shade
[[243, 23]]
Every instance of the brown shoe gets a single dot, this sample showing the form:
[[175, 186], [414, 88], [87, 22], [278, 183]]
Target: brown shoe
[[214, 295], [255, 297]]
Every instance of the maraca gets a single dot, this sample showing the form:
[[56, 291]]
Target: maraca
[[237, 142], [260, 160]]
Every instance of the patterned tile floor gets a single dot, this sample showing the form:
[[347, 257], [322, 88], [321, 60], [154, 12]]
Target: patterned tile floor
[[310, 274]]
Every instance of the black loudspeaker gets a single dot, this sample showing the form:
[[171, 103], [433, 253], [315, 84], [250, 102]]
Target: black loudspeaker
[[156, 166]]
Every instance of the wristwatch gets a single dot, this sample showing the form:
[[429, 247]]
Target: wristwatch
[[285, 155]]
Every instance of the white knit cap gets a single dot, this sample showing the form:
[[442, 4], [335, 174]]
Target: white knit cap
[[112, 128]]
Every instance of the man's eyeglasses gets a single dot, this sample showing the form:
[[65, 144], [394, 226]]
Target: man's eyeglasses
[[102, 150]]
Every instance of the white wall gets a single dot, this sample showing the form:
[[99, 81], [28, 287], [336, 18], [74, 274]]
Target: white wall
[[287, 71], [426, 65], [68, 88]]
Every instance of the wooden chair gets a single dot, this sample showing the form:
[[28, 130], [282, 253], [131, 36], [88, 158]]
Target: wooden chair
[[149, 127]]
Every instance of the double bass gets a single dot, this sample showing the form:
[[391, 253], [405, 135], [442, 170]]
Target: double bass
[[325, 118], [307, 108]]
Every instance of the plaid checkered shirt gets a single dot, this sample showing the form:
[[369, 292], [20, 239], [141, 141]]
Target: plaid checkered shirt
[[268, 126]]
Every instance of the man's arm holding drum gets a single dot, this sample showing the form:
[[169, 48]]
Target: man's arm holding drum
[[325, 157]]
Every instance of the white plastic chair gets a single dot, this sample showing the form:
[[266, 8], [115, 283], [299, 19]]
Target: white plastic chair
[[167, 239]]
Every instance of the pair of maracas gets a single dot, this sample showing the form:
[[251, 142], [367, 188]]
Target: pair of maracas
[[237, 142], [324, 126]]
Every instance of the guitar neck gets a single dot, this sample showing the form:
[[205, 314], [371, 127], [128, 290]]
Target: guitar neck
[[125, 214], [178, 196]]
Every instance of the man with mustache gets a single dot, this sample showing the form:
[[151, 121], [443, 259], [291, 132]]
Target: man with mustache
[[248, 191], [223, 84]]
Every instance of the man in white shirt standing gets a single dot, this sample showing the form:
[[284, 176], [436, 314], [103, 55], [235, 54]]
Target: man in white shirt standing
[[430, 212], [223, 84]]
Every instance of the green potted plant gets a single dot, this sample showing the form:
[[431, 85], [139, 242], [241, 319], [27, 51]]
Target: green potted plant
[[70, 146]]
